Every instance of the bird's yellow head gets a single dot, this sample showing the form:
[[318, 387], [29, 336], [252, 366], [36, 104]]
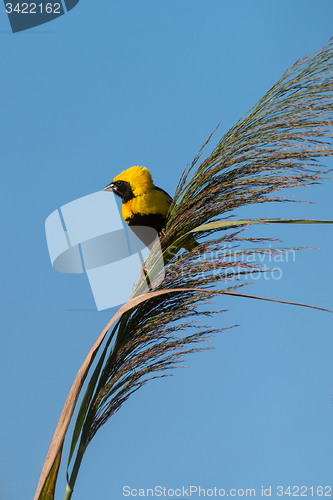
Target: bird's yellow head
[[132, 182], [138, 177]]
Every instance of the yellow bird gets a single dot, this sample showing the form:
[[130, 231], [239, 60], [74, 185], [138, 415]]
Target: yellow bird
[[144, 204]]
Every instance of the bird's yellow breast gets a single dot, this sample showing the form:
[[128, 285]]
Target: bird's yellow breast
[[152, 202]]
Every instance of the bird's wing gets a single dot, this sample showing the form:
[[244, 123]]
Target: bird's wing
[[166, 194]]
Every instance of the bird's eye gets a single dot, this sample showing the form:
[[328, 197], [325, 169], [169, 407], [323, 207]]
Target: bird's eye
[[118, 183]]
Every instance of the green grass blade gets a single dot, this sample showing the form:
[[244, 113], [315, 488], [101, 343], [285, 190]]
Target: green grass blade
[[275, 300], [86, 402], [247, 222], [218, 225]]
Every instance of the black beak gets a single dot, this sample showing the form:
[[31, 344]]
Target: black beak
[[109, 187]]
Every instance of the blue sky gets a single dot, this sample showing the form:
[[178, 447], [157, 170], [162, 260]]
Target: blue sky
[[140, 82]]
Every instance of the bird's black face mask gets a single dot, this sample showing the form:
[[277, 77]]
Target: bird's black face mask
[[122, 189]]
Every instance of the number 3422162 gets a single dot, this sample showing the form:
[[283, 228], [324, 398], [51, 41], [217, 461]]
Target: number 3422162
[[33, 8]]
